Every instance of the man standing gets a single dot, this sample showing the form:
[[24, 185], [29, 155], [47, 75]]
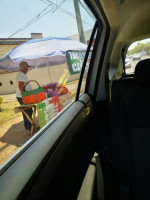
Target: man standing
[[21, 79]]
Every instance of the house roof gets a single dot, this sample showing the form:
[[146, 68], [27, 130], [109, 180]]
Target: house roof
[[13, 41]]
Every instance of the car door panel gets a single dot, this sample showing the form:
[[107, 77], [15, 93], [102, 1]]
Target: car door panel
[[42, 160]]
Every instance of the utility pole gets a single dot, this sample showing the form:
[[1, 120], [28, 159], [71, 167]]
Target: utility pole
[[79, 22]]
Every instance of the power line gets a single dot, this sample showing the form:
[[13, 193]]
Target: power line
[[52, 10], [67, 12], [30, 22], [36, 18], [39, 16], [55, 5], [87, 10]]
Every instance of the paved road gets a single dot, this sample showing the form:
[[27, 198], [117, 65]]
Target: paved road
[[133, 64]]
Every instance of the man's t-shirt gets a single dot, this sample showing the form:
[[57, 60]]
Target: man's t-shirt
[[23, 78]]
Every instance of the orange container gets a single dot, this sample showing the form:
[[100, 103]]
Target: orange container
[[33, 96]]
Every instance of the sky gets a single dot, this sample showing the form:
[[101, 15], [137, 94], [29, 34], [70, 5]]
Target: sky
[[52, 18], [20, 18]]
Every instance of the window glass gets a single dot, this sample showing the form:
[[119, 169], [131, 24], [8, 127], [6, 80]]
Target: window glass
[[87, 66], [51, 39], [137, 51]]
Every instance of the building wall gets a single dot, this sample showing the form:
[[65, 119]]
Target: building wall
[[87, 35], [5, 48]]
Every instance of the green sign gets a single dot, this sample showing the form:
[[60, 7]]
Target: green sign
[[75, 60]]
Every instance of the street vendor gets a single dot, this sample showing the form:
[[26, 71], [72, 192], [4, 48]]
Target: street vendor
[[21, 79]]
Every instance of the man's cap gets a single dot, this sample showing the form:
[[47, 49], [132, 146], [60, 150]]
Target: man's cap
[[23, 64]]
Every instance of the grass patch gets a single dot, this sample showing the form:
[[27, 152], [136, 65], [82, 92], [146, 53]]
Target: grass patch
[[74, 93], [7, 111]]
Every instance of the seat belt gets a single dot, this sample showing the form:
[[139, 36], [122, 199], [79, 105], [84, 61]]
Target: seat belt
[[123, 61], [93, 175], [99, 177]]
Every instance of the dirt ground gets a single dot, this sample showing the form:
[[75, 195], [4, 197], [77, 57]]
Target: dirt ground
[[12, 135]]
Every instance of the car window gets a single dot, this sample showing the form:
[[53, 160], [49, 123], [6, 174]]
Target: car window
[[51, 39], [137, 51]]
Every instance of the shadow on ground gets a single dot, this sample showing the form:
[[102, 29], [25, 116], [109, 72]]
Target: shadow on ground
[[16, 135], [13, 136]]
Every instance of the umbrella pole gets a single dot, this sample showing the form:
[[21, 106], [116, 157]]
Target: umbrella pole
[[49, 75], [49, 71]]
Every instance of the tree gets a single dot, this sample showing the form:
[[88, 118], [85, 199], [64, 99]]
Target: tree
[[147, 48], [140, 47]]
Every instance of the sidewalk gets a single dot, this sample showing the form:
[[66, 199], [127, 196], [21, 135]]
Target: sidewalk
[[8, 97]]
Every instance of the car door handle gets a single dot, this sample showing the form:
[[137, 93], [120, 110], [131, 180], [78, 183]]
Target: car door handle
[[86, 112]]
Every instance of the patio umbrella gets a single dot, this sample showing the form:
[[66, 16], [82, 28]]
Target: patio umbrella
[[39, 53]]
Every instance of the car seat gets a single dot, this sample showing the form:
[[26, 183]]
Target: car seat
[[130, 132]]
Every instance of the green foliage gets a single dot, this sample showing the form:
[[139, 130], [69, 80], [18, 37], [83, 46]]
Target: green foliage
[[7, 113], [1, 100], [140, 47], [147, 47]]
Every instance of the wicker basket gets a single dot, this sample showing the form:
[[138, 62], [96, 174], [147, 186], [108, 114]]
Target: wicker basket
[[33, 96]]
